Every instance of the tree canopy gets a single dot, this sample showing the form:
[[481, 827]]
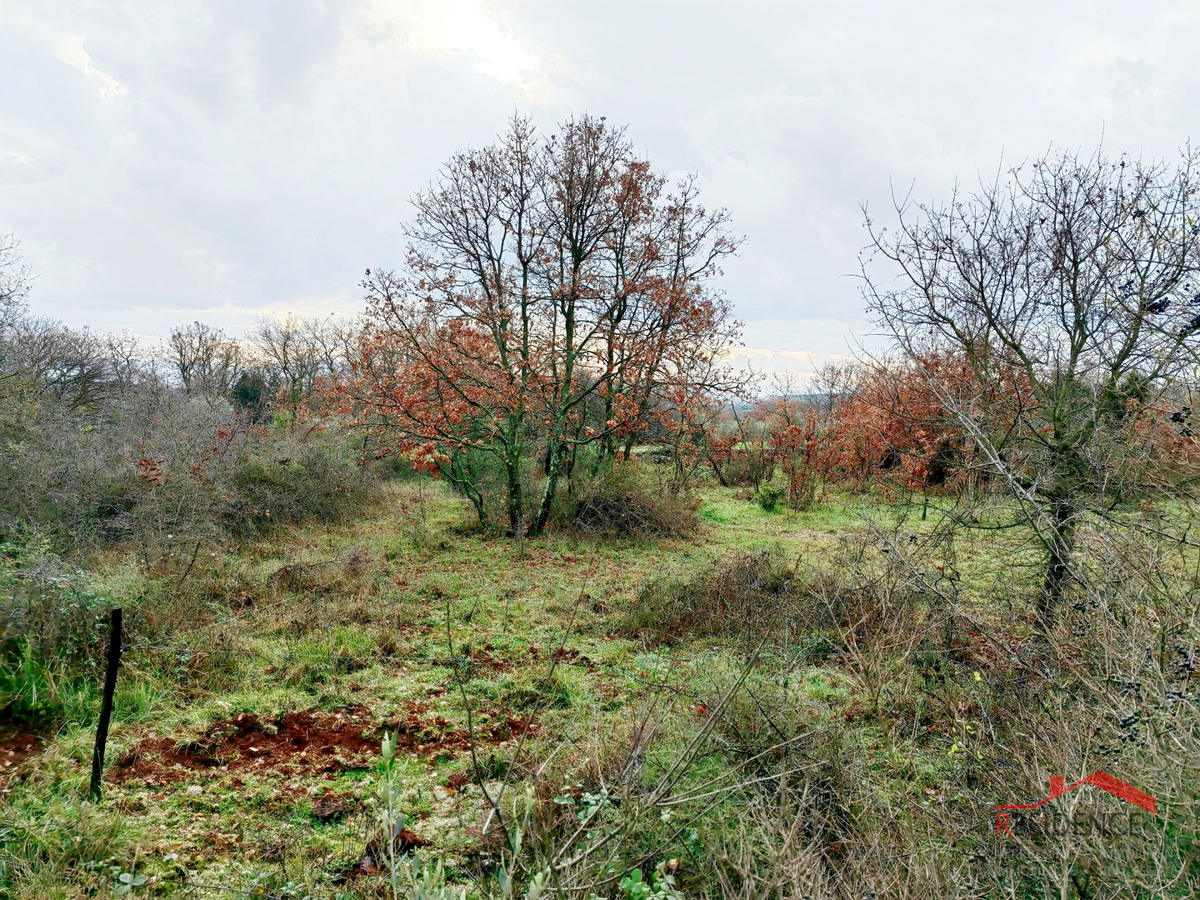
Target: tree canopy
[[558, 298]]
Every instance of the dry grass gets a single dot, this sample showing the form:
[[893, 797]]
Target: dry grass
[[814, 705]]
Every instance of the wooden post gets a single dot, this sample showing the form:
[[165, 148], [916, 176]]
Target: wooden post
[[110, 687]]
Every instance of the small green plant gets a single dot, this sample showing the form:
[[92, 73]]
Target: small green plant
[[429, 882], [770, 498], [591, 802], [510, 861], [127, 883], [661, 885], [587, 804], [265, 885], [390, 815], [409, 875]]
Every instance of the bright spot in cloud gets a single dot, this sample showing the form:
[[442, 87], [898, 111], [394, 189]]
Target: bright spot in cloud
[[70, 49], [463, 27]]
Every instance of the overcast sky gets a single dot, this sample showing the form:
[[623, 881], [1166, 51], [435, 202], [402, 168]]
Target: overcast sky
[[170, 160]]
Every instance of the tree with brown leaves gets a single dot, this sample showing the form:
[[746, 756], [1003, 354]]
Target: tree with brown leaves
[[557, 298]]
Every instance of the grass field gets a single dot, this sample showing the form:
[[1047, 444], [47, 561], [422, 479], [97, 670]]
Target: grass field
[[245, 754]]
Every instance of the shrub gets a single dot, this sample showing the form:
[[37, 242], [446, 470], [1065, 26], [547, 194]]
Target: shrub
[[624, 500], [292, 480], [769, 497], [743, 594], [864, 596], [167, 470], [52, 628], [748, 466]]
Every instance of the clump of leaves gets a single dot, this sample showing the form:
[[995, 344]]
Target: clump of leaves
[[660, 886]]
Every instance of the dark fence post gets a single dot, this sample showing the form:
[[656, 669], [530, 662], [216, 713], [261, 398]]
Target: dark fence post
[[110, 686]]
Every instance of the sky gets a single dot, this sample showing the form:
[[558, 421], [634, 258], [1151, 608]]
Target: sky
[[164, 161]]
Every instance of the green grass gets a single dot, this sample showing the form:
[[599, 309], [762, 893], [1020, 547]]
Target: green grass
[[372, 615]]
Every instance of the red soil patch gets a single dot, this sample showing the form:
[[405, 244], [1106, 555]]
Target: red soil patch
[[298, 743], [311, 742], [17, 746], [437, 737]]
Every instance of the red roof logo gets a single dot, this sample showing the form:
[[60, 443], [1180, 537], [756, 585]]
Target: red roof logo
[[1102, 780]]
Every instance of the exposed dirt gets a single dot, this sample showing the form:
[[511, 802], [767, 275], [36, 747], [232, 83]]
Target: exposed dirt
[[437, 736], [298, 743], [17, 746], [311, 742]]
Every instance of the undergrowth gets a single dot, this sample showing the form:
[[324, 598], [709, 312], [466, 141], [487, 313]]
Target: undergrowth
[[809, 714]]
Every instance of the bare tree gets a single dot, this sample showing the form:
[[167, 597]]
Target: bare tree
[[206, 361], [67, 365], [835, 381], [293, 351], [333, 340], [128, 362], [1071, 288], [14, 279]]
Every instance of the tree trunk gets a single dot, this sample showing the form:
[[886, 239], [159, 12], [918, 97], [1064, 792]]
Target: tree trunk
[[712, 464], [554, 468], [1058, 558], [516, 499], [628, 448]]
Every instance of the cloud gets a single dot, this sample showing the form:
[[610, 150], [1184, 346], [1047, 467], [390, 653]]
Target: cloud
[[471, 33], [467, 27], [165, 160], [70, 49]]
